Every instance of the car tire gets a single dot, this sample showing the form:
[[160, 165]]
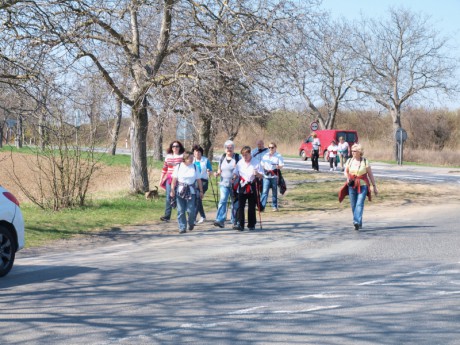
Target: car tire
[[303, 155], [7, 250]]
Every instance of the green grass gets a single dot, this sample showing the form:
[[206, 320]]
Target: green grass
[[100, 214]]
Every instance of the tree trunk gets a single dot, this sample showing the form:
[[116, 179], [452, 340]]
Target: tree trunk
[[205, 135], [116, 127], [1, 136], [157, 146], [19, 132], [139, 182], [396, 116], [42, 130]]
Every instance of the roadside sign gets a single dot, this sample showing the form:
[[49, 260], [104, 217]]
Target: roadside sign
[[400, 135], [314, 126]]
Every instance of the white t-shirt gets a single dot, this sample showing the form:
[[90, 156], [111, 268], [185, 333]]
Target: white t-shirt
[[316, 144], [227, 168], [332, 150], [343, 147], [246, 170], [187, 174], [269, 162]]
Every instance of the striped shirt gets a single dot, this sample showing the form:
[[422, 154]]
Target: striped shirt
[[170, 162]]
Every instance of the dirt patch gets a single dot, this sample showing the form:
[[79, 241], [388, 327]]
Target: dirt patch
[[106, 180]]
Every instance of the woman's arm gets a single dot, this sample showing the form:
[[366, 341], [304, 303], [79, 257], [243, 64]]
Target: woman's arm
[[173, 186], [372, 180], [200, 188]]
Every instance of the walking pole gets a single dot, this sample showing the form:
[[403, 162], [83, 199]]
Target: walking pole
[[258, 203], [214, 194]]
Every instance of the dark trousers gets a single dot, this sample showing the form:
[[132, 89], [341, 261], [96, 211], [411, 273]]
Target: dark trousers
[[251, 198], [333, 161], [314, 159], [199, 202]]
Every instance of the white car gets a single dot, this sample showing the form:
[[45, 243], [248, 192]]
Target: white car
[[11, 230]]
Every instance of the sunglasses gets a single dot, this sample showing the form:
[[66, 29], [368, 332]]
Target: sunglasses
[[271, 147], [229, 147], [175, 146]]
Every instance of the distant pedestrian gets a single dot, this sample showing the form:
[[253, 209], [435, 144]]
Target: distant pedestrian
[[173, 158], [204, 167], [186, 187], [343, 150], [359, 178], [248, 170], [316, 144], [272, 163], [332, 155]]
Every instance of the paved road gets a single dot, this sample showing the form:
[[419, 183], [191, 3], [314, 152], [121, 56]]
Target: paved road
[[390, 171], [311, 280], [381, 170]]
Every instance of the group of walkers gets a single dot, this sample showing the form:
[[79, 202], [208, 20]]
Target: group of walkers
[[247, 178]]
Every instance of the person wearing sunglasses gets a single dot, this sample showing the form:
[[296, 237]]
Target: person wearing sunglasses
[[173, 157], [272, 163], [359, 178]]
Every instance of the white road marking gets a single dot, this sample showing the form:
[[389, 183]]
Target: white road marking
[[321, 295], [245, 311], [305, 310]]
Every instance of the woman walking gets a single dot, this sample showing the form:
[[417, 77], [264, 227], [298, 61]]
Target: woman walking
[[272, 163], [359, 178], [344, 152], [204, 167], [316, 143], [227, 165], [248, 171], [187, 180], [173, 158]]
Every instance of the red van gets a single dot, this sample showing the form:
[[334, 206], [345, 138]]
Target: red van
[[325, 137]]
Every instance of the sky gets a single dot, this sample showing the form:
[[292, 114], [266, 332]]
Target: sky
[[445, 15]]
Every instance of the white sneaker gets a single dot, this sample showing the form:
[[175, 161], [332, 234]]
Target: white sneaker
[[331, 169], [335, 168], [275, 209], [201, 220]]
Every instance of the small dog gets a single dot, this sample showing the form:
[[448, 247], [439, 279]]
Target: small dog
[[152, 194]]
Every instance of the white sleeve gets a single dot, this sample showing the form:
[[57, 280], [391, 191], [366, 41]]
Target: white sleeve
[[175, 173]]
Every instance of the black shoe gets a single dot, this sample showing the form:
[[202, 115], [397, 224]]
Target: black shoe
[[182, 231], [190, 228], [220, 225], [164, 219], [237, 227], [356, 226], [252, 228]]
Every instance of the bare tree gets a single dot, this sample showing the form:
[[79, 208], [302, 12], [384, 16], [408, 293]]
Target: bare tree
[[401, 58], [315, 63]]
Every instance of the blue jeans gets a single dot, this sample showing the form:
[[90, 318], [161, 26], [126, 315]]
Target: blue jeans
[[184, 205], [357, 203], [225, 193], [270, 183], [168, 207]]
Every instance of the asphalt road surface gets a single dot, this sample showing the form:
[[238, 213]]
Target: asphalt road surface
[[305, 280], [410, 173]]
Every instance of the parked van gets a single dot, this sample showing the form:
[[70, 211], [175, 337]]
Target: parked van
[[325, 137]]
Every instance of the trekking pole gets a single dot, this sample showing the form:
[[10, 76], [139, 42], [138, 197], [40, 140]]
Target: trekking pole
[[258, 203], [214, 194]]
